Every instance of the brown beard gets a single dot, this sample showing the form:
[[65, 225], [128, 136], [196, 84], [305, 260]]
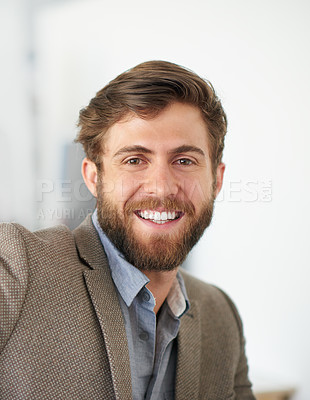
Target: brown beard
[[163, 252]]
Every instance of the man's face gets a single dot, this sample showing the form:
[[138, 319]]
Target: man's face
[[156, 191]]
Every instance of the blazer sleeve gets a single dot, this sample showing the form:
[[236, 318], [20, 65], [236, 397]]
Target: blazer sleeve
[[13, 279]]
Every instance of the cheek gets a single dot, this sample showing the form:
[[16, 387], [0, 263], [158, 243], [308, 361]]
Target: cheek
[[198, 190], [124, 189]]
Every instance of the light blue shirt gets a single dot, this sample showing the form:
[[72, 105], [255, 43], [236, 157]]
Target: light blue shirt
[[151, 341]]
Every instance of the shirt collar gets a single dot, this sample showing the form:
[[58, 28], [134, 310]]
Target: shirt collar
[[129, 280], [177, 298]]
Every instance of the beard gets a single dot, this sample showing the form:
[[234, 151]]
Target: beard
[[158, 252]]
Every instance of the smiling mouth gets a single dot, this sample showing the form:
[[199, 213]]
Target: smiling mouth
[[159, 217]]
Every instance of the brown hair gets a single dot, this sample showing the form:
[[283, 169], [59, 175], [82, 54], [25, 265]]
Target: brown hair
[[146, 90]]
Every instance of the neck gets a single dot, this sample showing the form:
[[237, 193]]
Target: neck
[[160, 285]]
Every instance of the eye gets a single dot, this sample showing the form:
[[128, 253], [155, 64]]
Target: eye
[[134, 161], [184, 161]]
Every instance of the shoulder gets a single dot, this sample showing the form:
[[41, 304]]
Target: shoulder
[[18, 245], [212, 301], [14, 232], [22, 252], [20, 249], [200, 290], [16, 239]]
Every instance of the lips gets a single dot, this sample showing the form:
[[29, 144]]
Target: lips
[[159, 217]]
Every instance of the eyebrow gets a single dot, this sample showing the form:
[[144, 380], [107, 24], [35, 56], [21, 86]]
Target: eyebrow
[[187, 149], [141, 149], [133, 149]]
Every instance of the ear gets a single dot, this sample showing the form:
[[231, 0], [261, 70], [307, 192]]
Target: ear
[[90, 175], [219, 178]]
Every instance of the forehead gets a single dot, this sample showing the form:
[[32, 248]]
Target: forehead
[[176, 125]]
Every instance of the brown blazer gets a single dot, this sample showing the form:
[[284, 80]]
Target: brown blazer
[[62, 333]]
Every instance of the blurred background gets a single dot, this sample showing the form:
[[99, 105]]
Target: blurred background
[[56, 54]]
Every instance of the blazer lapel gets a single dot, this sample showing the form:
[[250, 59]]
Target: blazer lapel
[[188, 361], [106, 304]]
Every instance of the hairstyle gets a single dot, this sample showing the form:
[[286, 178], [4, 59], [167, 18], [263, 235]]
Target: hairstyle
[[146, 90]]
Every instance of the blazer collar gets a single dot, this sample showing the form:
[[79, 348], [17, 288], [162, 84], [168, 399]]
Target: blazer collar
[[189, 354], [89, 245], [104, 297]]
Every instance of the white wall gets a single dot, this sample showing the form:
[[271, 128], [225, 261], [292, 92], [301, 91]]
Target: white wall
[[16, 136], [256, 53]]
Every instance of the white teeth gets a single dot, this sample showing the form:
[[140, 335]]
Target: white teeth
[[158, 217], [163, 216]]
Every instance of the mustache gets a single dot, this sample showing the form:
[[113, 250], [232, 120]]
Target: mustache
[[166, 203]]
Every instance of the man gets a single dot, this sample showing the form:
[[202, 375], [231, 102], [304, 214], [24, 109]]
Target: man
[[105, 312]]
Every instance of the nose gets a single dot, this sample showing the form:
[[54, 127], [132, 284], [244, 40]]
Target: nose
[[161, 182]]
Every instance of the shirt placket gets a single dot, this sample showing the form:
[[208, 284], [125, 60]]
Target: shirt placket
[[167, 330], [145, 337]]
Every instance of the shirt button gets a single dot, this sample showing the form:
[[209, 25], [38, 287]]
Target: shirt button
[[144, 336], [146, 296]]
